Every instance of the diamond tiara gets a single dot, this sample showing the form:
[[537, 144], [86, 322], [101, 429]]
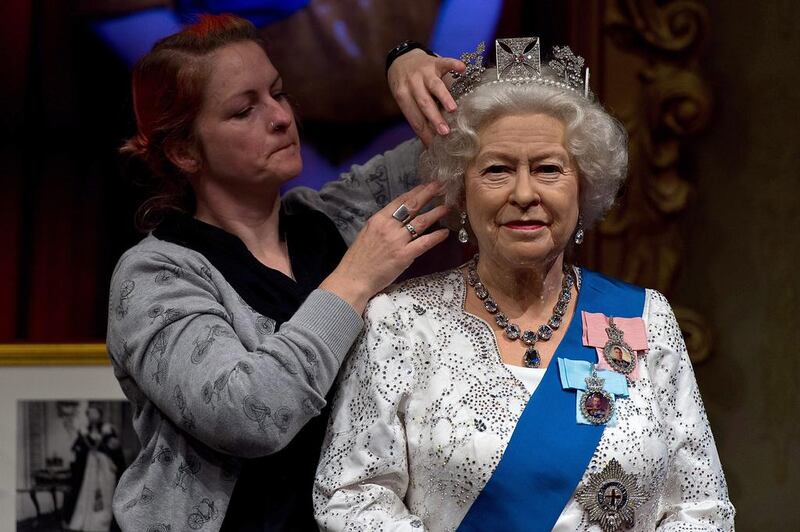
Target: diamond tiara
[[519, 61]]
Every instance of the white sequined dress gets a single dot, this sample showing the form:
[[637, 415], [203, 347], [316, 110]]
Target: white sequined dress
[[426, 407]]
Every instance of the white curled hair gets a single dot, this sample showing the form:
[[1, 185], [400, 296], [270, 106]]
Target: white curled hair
[[596, 141]]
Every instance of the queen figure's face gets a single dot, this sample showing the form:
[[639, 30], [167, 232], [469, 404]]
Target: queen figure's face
[[246, 129], [522, 191]]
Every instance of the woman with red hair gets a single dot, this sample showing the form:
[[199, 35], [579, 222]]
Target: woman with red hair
[[229, 321]]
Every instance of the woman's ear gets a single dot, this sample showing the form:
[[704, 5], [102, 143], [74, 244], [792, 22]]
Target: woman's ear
[[184, 155]]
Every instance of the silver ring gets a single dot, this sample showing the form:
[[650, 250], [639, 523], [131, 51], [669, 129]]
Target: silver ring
[[401, 214], [410, 229]]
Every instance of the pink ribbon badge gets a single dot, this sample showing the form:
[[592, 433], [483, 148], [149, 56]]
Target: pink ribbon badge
[[594, 335]]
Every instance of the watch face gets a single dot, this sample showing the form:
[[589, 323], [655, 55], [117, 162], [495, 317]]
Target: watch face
[[620, 357], [597, 406]]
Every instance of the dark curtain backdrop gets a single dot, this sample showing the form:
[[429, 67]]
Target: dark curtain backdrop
[[65, 210]]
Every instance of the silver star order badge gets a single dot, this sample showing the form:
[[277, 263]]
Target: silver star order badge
[[610, 497]]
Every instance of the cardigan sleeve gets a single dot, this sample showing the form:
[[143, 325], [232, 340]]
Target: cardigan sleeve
[[362, 477], [172, 343], [358, 194], [695, 496]]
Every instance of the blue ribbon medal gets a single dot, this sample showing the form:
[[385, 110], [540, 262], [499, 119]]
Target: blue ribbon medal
[[596, 404]]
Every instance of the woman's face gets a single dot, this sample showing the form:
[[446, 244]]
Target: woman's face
[[246, 129], [522, 191]]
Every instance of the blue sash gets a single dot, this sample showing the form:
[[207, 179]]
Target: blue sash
[[549, 452]]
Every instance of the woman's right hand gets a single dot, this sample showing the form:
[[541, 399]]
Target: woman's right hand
[[417, 82], [385, 248]]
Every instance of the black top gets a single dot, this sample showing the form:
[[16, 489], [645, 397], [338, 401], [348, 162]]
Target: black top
[[274, 492]]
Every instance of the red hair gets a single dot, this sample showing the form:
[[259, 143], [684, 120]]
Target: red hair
[[168, 88]]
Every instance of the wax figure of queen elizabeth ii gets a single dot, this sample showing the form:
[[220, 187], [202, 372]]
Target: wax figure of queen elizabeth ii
[[520, 392]]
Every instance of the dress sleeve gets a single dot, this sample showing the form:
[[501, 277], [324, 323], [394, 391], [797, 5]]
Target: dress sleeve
[[172, 343], [358, 194], [696, 495], [362, 475]]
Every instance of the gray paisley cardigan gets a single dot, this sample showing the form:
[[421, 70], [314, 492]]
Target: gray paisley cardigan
[[213, 383]]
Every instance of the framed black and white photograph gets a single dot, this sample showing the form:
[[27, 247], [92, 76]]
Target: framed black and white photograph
[[70, 454], [65, 437]]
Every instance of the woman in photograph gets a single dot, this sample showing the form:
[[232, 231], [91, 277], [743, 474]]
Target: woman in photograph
[[96, 469], [488, 397], [229, 321]]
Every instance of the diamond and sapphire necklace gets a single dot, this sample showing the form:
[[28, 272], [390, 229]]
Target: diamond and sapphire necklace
[[531, 358]]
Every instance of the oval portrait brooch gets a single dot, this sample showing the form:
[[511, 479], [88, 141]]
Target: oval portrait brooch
[[619, 355]]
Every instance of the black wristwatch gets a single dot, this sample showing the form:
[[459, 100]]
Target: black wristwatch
[[403, 48]]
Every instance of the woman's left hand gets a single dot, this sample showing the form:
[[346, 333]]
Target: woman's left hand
[[416, 82]]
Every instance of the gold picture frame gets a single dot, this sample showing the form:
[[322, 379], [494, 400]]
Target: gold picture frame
[[78, 354]]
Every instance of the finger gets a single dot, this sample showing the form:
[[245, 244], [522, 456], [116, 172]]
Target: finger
[[426, 136], [429, 108], [409, 199], [446, 64], [449, 66], [412, 113], [414, 199], [427, 241], [420, 196], [424, 221], [439, 90], [410, 235]]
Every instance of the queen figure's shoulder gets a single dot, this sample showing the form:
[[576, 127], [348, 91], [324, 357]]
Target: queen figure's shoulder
[[438, 292], [667, 348]]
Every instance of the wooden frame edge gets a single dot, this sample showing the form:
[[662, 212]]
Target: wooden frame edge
[[53, 355]]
